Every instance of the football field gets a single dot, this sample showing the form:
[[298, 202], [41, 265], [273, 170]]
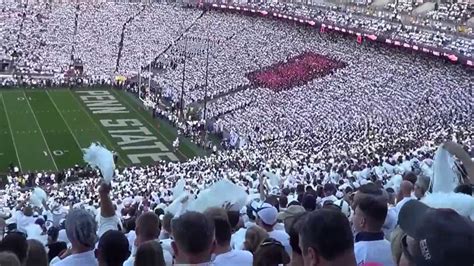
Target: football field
[[47, 129]]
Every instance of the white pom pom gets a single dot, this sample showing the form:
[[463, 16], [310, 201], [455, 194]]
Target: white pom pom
[[99, 157], [37, 197]]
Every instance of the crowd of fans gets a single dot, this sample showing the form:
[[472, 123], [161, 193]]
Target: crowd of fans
[[309, 212], [342, 170]]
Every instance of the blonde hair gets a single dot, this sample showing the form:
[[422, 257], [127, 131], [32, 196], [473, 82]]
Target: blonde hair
[[254, 237]]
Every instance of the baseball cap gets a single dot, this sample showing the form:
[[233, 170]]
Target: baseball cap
[[443, 236], [267, 213], [290, 212]]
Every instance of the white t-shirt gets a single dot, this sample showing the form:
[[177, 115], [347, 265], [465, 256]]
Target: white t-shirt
[[390, 221], [283, 237], [234, 257], [400, 204], [238, 238], [131, 236], [106, 224], [81, 259], [377, 252], [22, 221]]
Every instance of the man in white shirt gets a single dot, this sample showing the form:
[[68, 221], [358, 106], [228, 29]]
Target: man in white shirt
[[267, 219], [406, 189], [370, 246], [24, 218], [81, 230], [329, 193], [193, 239], [147, 229], [223, 253]]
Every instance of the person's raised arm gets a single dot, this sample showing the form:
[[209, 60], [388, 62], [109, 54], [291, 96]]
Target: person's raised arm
[[106, 206]]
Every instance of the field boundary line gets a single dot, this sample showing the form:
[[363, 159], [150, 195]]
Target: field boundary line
[[96, 126], [11, 132], [41, 131], [153, 127], [62, 117]]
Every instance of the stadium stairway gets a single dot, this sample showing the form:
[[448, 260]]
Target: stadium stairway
[[76, 19], [177, 39], [122, 36], [23, 18]]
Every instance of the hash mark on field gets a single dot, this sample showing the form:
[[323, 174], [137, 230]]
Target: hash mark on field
[[11, 132], [41, 131], [65, 122]]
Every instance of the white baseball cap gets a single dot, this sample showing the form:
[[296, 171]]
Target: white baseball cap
[[267, 213]]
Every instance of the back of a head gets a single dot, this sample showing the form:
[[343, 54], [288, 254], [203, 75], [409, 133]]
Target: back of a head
[[9, 259], [193, 235], [148, 226], [81, 228], [114, 248], [410, 177], [216, 213], [406, 187], [374, 213], [234, 217], [167, 221], [370, 190], [150, 253], [53, 233], [15, 243], [223, 232], [254, 236], [328, 233], [36, 255], [309, 202], [270, 253], [294, 230]]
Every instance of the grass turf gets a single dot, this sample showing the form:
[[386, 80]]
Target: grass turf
[[46, 129]]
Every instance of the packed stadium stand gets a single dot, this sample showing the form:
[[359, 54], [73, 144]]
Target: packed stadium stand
[[236, 133]]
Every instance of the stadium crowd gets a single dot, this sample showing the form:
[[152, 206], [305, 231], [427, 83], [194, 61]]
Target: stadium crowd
[[235, 208], [354, 168]]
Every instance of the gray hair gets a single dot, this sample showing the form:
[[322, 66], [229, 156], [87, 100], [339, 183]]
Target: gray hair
[[423, 182], [81, 227]]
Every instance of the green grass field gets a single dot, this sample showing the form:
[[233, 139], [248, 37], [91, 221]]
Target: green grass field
[[47, 129]]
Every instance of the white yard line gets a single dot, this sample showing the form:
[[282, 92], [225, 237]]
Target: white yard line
[[95, 124], [67, 125], [150, 124], [41, 131], [11, 132]]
